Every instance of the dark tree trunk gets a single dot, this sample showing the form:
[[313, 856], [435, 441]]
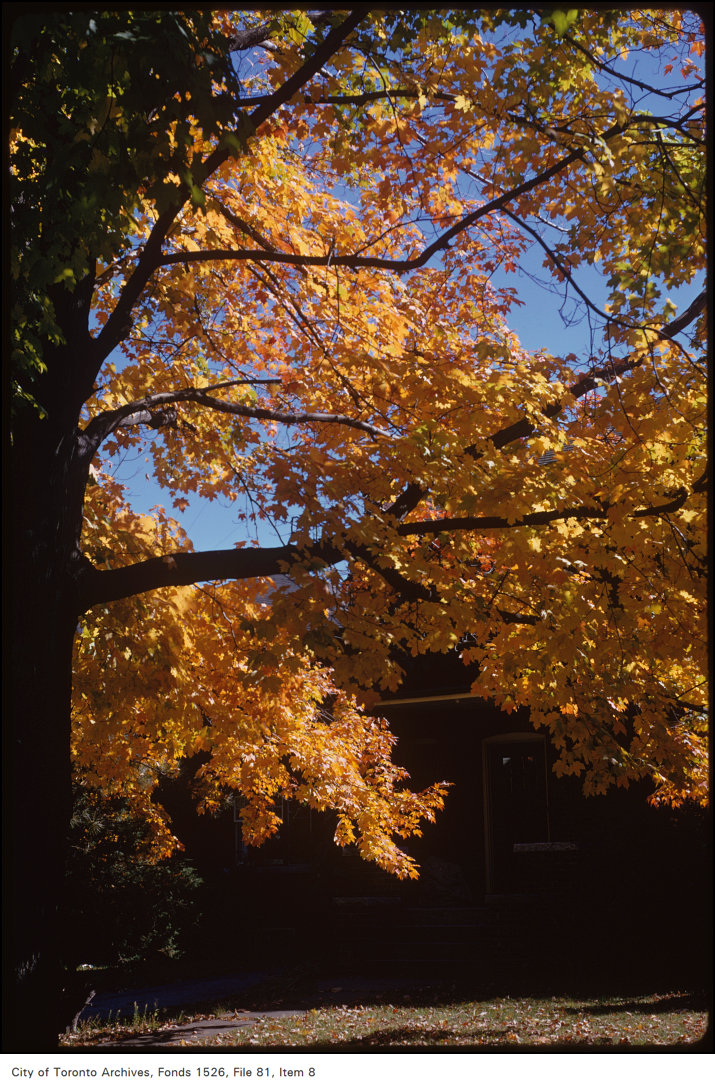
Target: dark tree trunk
[[46, 491], [40, 802]]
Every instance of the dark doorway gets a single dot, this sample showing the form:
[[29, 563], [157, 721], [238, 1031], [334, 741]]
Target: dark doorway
[[516, 807]]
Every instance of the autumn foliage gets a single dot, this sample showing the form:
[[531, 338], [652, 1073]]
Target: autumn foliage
[[304, 309]]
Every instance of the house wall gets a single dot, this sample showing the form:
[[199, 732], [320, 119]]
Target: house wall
[[446, 739], [613, 854], [539, 873]]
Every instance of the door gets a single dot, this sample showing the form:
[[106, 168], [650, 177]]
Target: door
[[516, 806]]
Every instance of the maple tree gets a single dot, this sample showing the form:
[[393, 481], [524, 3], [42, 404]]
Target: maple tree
[[217, 676], [282, 279]]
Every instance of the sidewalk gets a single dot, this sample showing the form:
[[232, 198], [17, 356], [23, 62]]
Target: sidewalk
[[192, 994], [178, 994]]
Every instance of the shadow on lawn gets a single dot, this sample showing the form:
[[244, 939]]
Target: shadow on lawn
[[406, 1035], [142, 1040], [417, 1036], [611, 995], [676, 1003], [307, 994]]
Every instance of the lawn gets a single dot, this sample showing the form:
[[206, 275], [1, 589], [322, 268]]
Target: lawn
[[676, 1018]]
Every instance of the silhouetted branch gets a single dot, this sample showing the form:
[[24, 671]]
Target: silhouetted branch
[[538, 518]]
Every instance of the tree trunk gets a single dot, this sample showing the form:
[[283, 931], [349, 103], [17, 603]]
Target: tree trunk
[[44, 527], [40, 803]]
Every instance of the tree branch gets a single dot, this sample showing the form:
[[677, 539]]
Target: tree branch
[[682, 321], [538, 518], [660, 332], [619, 76], [187, 568], [406, 588], [401, 266], [362, 99], [249, 39], [355, 262], [333, 40], [141, 412], [413, 493], [116, 327], [561, 267], [244, 227], [287, 418]]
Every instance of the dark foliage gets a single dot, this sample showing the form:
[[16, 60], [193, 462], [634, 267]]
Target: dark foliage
[[122, 907]]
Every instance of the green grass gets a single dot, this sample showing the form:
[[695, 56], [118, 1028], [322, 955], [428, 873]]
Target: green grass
[[676, 1018]]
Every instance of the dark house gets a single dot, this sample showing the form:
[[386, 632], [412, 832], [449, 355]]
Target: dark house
[[521, 875]]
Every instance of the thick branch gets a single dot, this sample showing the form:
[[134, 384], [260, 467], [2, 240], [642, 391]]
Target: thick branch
[[364, 98], [186, 568], [249, 39], [413, 494], [406, 588], [244, 227], [333, 40], [141, 412], [682, 321], [538, 518], [116, 327], [102, 426], [401, 266]]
